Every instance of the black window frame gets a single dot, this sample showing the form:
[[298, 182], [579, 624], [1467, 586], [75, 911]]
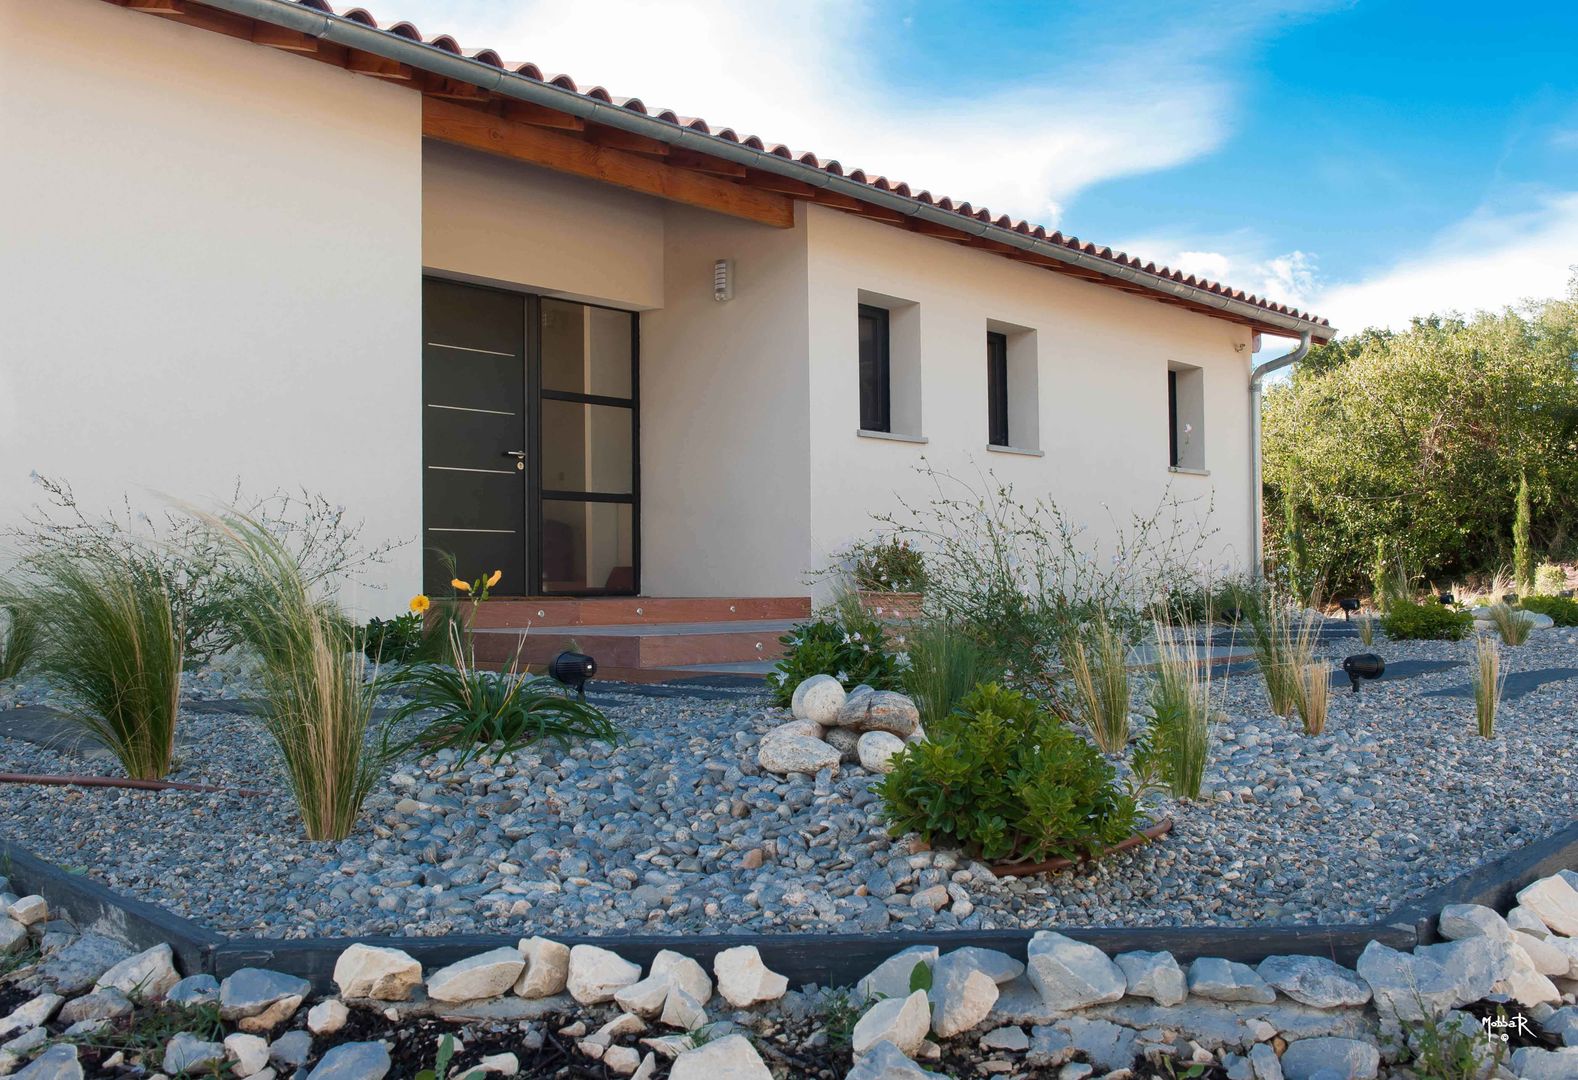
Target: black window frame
[[997, 433], [876, 396], [1172, 418]]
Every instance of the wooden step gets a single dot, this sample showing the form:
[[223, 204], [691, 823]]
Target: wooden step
[[622, 646], [601, 611]]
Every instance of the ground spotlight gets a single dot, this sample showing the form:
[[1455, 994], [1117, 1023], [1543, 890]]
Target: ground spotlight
[[1349, 605], [1363, 666], [574, 670], [1446, 599]]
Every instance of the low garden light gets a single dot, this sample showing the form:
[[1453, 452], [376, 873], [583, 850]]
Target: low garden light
[[1363, 666], [1510, 598], [574, 670], [1446, 599], [1349, 605]]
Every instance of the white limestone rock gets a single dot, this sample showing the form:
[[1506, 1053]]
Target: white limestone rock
[[785, 754], [682, 1011], [1155, 975], [485, 975], [900, 1021], [30, 1014], [382, 974], [684, 972], [1474, 964], [1216, 979], [891, 978], [1522, 918], [885, 1061], [1314, 980], [818, 700], [876, 750], [186, 1053], [1524, 984], [327, 1016], [1459, 921], [13, 935], [29, 910], [729, 1058], [1070, 974], [596, 974], [644, 998], [249, 1053], [744, 980], [1405, 987], [149, 975], [547, 970], [1554, 902], [961, 995], [1353, 1059], [1001, 967], [1547, 957]]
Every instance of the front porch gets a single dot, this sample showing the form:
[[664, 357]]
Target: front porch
[[641, 638]]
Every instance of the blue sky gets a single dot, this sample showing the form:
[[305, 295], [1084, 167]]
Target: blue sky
[[1370, 160]]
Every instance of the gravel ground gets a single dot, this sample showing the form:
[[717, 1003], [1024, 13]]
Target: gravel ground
[[677, 831]]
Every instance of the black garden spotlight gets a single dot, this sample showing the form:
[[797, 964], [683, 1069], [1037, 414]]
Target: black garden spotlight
[[1363, 666], [1349, 605], [574, 670], [1510, 598], [1446, 598]]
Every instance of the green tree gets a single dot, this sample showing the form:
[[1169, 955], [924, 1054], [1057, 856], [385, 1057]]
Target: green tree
[[1416, 443], [1522, 557]]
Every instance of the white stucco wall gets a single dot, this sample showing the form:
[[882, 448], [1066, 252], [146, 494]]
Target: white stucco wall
[[1100, 393], [210, 267], [725, 414]]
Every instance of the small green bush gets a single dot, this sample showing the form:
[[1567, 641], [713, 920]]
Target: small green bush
[[405, 639], [1004, 780], [1407, 621], [1563, 610], [852, 651], [889, 566], [1549, 579]]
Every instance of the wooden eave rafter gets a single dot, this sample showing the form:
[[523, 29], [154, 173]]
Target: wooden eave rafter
[[468, 115]]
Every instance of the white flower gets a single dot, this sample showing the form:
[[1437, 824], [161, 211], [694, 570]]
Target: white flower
[[846, 639], [842, 676], [857, 635]]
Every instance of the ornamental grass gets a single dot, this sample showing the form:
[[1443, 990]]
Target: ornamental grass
[[107, 636], [1284, 642], [1314, 696], [1178, 743], [1095, 660], [1488, 682]]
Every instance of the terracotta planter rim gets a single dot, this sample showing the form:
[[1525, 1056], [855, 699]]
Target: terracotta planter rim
[[1144, 836]]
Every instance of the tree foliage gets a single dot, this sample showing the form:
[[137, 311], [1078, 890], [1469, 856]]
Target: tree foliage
[[1413, 444]]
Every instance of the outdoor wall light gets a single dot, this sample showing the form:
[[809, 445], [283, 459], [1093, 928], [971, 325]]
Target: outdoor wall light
[[1446, 599], [1349, 605], [1363, 666], [573, 669]]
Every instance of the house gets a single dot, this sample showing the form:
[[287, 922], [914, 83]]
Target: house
[[607, 349]]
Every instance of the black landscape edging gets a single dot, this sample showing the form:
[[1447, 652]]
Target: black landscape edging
[[100, 909], [827, 959]]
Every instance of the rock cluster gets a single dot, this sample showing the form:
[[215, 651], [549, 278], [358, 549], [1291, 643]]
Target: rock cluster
[[830, 728]]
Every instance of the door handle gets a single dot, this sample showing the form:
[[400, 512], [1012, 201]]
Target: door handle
[[518, 455]]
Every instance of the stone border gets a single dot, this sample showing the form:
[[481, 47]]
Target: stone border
[[826, 959]]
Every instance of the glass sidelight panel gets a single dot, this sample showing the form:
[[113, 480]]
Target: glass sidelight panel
[[587, 447], [587, 350], [588, 546]]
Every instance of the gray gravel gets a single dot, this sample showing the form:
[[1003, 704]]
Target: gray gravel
[[677, 831]]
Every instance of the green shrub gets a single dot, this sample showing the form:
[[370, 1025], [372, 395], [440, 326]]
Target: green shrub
[[944, 664], [1563, 610], [1004, 780], [1407, 621], [111, 641], [1522, 554], [852, 650], [891, 565], [1549, 579], [505, 711], [19, 640], [399, 640]]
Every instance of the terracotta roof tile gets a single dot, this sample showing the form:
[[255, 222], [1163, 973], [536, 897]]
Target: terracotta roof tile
[[531, 71]]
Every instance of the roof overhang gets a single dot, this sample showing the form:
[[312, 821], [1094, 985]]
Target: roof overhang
[[474, 101]]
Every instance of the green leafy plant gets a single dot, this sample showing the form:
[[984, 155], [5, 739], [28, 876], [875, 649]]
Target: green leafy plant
[[1562, 610], [18, 639], [1173, 748], [888, 565], [920, 976], [840, 1014], [1510, 623], [110, 640], [1488, 682], [394, 641], [1426, 622], [1004, 780], [317, 705], [853, 651], [148, 1030], [1522, 554], [441, 1060], [944, 664], [503, 710], [1096, 657], [1549, 579], [1451, 1047]]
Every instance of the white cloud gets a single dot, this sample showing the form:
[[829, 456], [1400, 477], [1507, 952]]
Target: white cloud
[[1487, 262], [1129, 97]]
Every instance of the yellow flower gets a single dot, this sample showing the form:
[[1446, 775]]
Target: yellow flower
[[420, 603], [493, 579], [463, 586]]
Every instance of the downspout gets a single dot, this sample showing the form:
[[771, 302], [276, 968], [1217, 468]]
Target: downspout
[[316, 23], [1257, 510]]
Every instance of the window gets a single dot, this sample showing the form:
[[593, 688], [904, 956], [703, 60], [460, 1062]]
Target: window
[[875, 405], [997, 389], [1185, 418]]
